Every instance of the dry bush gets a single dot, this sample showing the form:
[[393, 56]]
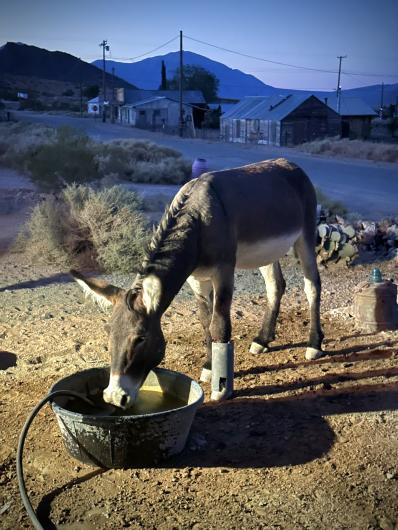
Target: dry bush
[[69, 158], [352, 149], [82, 226], [19, 141], [142, 161], [55, 158]]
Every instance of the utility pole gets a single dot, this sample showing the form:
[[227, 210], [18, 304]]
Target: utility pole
[[338, 91], [81, 88], [381, 101], [105, 47], [181, 83], [113, 96]]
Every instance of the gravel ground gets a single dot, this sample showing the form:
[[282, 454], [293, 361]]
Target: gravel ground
[[302, 444]]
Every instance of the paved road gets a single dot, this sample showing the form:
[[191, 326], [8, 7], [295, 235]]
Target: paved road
[[369, 188]]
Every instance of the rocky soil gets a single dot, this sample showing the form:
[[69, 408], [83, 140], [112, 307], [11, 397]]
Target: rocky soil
[[303, 444]]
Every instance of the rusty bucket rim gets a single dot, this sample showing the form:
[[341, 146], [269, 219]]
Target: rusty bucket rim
[[58, 409]]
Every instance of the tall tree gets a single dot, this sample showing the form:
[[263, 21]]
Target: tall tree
[[164, 85], [196, 78]]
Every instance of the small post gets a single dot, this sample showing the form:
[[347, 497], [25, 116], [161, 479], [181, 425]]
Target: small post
[[222, 370]]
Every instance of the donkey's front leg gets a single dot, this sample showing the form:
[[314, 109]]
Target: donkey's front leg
[[203, 291], [220, 330]]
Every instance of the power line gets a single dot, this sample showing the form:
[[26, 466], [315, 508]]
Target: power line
[[146, 53], [284, 64]]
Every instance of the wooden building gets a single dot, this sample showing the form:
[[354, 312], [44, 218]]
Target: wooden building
[[158, 113], [158, 109], [279, 120], [356, 116]]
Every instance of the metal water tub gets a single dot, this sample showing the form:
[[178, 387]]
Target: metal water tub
[[127, 441]]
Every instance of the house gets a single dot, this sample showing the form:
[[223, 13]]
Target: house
[[94, 106], [356, 116], [279, 120], [127, 99], [157, 113]]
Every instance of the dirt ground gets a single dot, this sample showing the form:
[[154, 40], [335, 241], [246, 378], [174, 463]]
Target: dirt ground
[[303, 444]]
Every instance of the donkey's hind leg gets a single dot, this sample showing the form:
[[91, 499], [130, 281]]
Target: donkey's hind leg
[[203, 291], [312, 289], [275, 287]]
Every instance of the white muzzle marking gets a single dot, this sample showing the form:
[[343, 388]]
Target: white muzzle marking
[[122, 391]]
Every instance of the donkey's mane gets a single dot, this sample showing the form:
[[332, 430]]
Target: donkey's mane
[[167, 223]]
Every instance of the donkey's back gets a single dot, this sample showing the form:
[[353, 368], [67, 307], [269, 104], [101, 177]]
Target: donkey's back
[[259, 210]]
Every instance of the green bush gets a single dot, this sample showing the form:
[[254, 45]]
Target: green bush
[[58, 157], [81, 227], [70, 158]]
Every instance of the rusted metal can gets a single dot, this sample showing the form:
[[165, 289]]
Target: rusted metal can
[[375, 305]]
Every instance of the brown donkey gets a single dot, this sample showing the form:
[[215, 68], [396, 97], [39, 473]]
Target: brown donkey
[[246, 217]]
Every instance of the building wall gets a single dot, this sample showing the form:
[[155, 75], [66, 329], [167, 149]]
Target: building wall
[[250, 131], [156, 115], [356, 127], [310, 121]]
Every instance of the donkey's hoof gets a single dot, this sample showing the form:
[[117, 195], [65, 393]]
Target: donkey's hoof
[[257, 348], [205, 376], [221, 395], [313, 353]]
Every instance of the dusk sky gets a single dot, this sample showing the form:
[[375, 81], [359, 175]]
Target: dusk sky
[[307, 33]]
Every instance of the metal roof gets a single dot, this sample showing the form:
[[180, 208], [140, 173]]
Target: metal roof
[[273, 108], [188, 96], [351, 106]]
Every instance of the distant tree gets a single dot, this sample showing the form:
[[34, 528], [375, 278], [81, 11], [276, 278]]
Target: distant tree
[[196, 78], [164, 85], [91, 91], [68, 92], [212, 119]]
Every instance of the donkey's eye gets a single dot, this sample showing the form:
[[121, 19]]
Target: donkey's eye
[[138, 341]]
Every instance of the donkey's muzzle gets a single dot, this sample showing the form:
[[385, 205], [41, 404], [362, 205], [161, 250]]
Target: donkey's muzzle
[[120, 392]]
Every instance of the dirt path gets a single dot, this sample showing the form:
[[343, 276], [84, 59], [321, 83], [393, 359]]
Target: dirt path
[[302, 445]]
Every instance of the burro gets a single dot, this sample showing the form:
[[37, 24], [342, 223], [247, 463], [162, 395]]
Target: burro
[[247, 217]]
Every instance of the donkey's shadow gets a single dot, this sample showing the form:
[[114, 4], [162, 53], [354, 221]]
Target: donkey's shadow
[[255, 433]]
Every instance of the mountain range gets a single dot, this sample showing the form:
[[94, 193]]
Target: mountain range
[[23, 61], [234, 84], [18, 59]]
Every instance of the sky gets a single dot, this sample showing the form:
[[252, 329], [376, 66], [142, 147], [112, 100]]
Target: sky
[[301, 33]]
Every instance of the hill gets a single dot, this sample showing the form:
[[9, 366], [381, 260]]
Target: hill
[[234, 83], [17, 59]]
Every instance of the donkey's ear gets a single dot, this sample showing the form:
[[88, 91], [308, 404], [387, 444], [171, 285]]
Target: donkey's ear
[[105, 294]]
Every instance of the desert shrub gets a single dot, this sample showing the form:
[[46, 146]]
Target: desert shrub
[[81, 226], [70, 158], [31, 104], [44, 233], [20, 141], [352, 149], [58, 157], [141, 161]]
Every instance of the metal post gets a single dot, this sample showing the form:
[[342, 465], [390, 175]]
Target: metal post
[[222, 370]]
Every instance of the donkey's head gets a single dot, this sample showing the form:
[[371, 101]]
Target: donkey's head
[[136, 341]]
